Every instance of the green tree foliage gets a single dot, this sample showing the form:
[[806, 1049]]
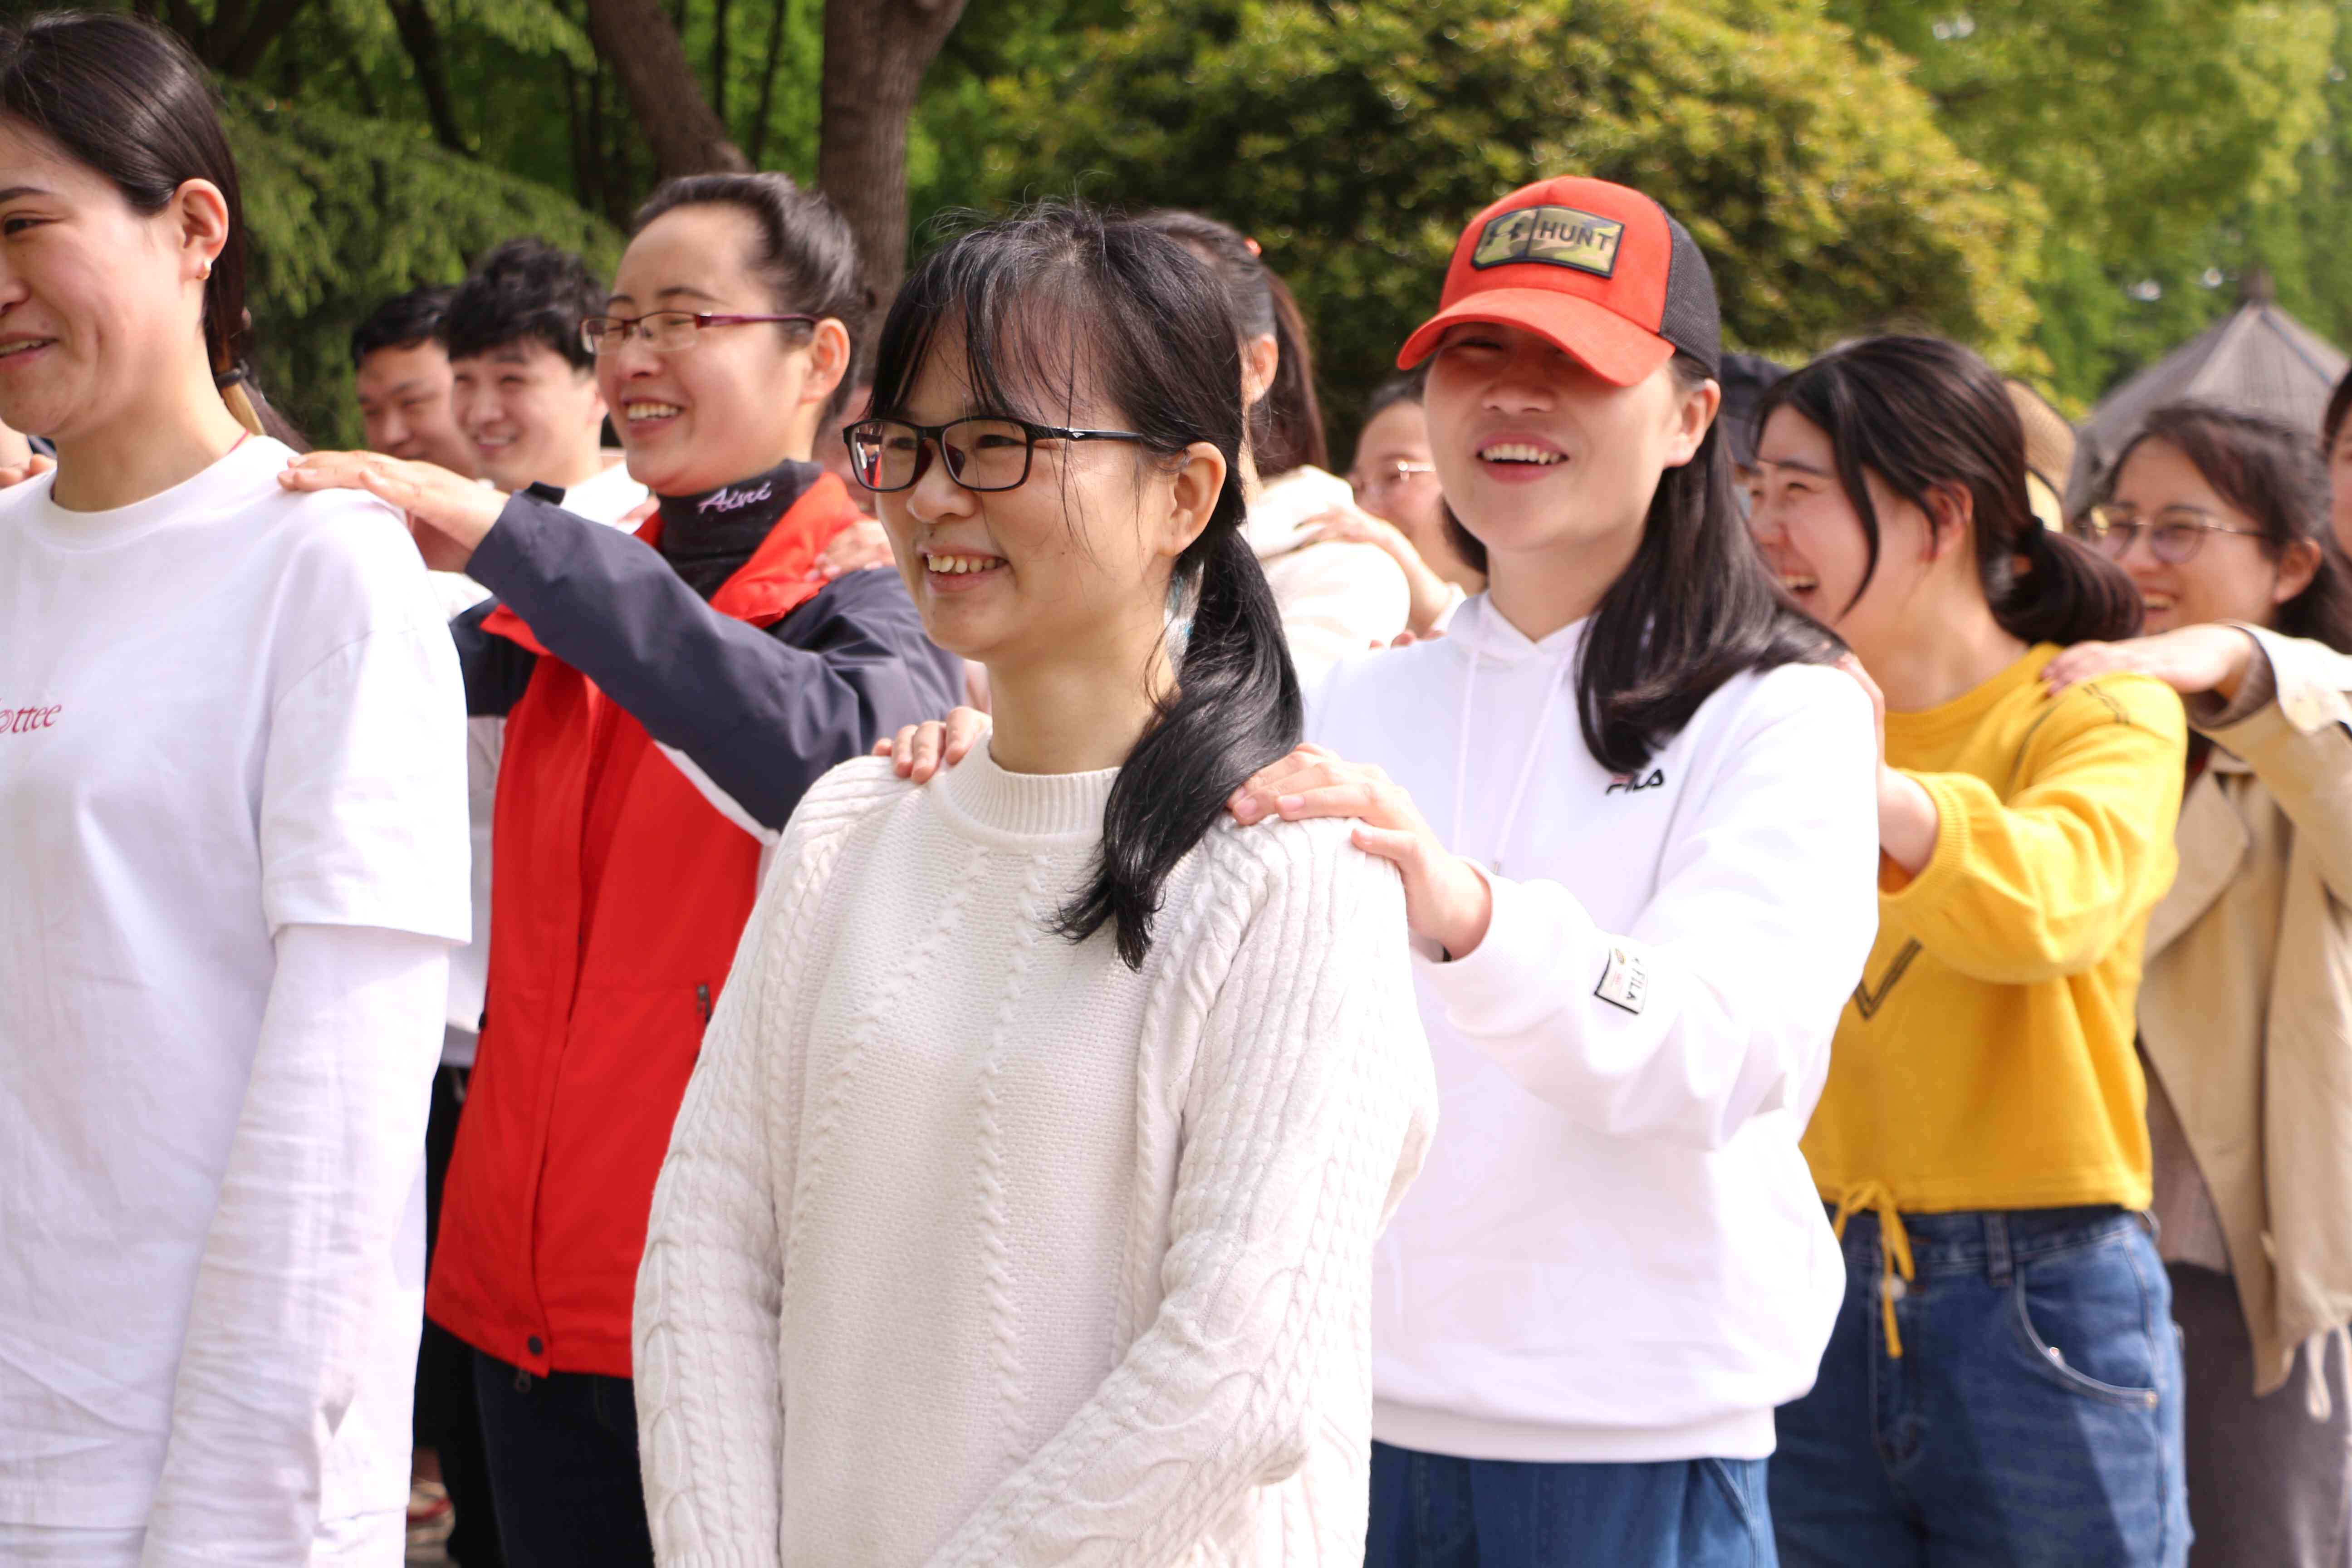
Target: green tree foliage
[[2155, 130], [1353, 139], [333, 203]]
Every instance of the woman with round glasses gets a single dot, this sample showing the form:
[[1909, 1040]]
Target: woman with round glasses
[[666, 700], [1401, 508], [2246, 1016]]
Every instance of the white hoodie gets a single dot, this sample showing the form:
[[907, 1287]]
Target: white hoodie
[[1615, 1252]]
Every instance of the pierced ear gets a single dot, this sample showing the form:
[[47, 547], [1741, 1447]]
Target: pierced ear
[[202, 213], [828, 360], [2298, 564]]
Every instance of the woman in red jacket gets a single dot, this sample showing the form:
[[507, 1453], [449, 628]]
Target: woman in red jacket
[[666, 700]]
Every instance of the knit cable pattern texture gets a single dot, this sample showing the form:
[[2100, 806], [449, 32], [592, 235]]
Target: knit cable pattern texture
[[984, 1249]]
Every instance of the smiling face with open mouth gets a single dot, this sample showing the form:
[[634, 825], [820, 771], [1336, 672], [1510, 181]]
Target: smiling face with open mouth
[[1812, 537], [530, 414], [1535, 451], [1070, 568], [91, 293], [743, 398]]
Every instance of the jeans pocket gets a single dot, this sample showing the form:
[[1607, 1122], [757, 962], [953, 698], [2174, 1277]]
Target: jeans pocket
[[2086, 1320]]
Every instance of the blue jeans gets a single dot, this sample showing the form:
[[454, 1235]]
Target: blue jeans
[[2032, 1421], [1433, 1511]]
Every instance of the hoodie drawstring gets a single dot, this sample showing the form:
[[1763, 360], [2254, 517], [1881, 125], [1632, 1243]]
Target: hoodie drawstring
[[1527, 765]]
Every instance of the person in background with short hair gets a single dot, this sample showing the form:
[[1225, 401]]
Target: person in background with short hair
[[2003, 1384], [666, 700], [400, 370], [523, 382], [231, 786], [2335, 447], [2245, 1021], [1338, 595], [1400, 508], [1745, 378]]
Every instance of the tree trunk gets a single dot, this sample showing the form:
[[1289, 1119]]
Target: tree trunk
[[768, 81], [718, 25], [422, 40], [875, 54], [643, 48]]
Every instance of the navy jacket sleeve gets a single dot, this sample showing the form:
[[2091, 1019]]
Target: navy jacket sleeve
[[763, 711], [497, 670]]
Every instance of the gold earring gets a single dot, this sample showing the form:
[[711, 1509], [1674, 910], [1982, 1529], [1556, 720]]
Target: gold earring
[[204, 272]]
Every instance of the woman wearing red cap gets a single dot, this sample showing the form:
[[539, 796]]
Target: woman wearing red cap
[[1632, 807]]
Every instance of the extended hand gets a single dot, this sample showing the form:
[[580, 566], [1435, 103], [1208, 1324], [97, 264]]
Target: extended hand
[[32, 468], [2190, 660], [1446, 899], [448, 516], [1431, 593], [863, 544], [1908, 821]]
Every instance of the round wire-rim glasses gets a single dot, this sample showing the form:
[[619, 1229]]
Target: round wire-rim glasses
[[985, 453], [664, 332], [2175, 536]]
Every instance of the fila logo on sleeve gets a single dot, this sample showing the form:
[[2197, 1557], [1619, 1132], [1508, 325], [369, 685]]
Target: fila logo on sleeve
[[25, 721], [1629, 782]]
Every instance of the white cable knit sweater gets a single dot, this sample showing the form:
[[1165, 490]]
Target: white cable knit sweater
[[974, 1246]]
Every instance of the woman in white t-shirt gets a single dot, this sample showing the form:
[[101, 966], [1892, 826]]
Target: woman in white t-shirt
[[232, 791]]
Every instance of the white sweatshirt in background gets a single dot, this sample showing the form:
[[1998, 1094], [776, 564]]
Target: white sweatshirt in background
[[1616, 1253], [1338, 597], [974, 1245]]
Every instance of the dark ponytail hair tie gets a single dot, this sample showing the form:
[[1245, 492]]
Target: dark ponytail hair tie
[[233, 376]]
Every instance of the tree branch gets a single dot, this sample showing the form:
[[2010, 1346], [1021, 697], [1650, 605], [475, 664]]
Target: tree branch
[[422, 40], [644, 50]]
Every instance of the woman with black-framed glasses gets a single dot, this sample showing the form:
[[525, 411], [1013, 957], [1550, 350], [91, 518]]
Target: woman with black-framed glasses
[[627, 844], [1022, 1208]]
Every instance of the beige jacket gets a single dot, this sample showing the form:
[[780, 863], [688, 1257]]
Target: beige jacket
[[2246, 1010]]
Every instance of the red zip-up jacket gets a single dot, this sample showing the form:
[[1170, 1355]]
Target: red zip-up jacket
[[618, 891]]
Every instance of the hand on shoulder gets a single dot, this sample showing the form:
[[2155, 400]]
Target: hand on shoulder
[[2190, 660], [448, 515]]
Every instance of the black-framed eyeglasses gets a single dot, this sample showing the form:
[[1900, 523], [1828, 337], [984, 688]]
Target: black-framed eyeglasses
[[2174, 536], [987, 453], [664, 332]]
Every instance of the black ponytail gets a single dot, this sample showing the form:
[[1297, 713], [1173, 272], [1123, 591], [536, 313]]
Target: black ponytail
[[1286, 425], [1056, 298], [1926, 415]]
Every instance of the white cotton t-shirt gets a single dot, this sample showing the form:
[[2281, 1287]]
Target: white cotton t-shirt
[[219, 715]]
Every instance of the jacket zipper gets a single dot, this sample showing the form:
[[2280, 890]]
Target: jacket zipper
[[702, 1003]]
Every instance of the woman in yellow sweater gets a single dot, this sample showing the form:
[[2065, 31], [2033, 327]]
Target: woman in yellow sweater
[[2003, 1384]]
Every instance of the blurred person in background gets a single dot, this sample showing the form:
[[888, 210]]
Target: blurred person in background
[[1745, 379], [400, 370], [2335, 447], [666, 698], [1338, 595], [2246, 1016], [2049, 452], [523, 382], [2003, 1384], [1400, 508]]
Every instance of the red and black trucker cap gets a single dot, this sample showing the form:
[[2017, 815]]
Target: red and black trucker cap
[[1599, 269]]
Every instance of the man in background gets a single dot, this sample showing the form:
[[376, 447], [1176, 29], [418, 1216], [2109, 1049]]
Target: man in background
[[401, 361], [524, 383]]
